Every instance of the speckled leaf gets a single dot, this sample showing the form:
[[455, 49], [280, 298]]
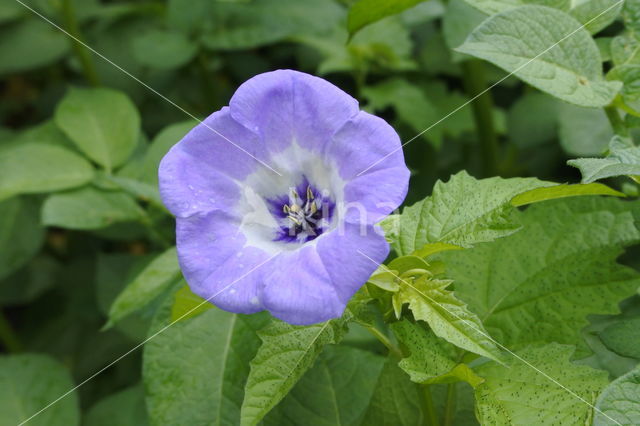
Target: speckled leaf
[[518, 394], [623, 337], [540, 284], [336, 391], [623, 159], [287, 352], [619, 403], [28, 383], [21, 234], [532, 43], [563, 191]]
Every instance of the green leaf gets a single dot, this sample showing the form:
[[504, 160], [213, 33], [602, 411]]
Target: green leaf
[[187, 305], [562, 191], [448, 317], [547, 61], [365, 12], [623, 337], [336, 391], [163, 49], [28, 383], [618, 403], [491, 7], [30, 43], [10, 11], [103, 123], [194, 371], [159, 146], [459, 20], [625, 49], [32, 167], [583, 131], [89, 208], [623, 159], [540, 284], [431, 360], [520, 394], [25, 285], [21, 234], [146, 286], [287, 352], [631, 15], [123, 408], [629, 75], [533, 111], [596, 15]]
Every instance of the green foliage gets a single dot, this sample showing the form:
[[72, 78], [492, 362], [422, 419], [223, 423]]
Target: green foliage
[[365, 12], [618, 403], [622, 337], [163, 49], [21, 234], [623, 159], [125, 408]]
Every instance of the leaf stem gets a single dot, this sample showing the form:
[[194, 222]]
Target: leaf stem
[[450, 405], [83, 55], [475, 83], [8, 337], [431, 417], [393, 349], [616, 121]]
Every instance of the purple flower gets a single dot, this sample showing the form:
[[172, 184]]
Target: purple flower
[[271, 201]]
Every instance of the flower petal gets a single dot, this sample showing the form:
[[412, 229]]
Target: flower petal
[[315, 283]]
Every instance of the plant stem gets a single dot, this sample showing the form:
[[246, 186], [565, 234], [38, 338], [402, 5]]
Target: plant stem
[[384, 340], [475, 83], [431, 417], [7, 336], [83, 55], [616, 121], [450, 404]]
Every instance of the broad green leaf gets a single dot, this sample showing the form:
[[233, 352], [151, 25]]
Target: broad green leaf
[[147, 286], [459, 20], [629, 75], [336, 391], [40, 167], [32, 280], [540, 284], [448, 317], [533, 111], [365, 12], [103, 123], [625, 49], [396, 400], [287, 352], [548, 61], [195, 370], [463, 211], [618, 403], [21, 234], [596, 15], [160, 145], [631, 15], [89, 208], [28, 383], [562, 191], [520, 394], [30, 43], [430, 360], [623, 159], [491, 7], [623, 337], [433, 248], [583, 131], [123, 408], [163, 49], [187, 305], [10, 11]]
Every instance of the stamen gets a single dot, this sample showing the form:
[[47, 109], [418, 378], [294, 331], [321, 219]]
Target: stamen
[[286, 208], [309, 193], [313, 208]]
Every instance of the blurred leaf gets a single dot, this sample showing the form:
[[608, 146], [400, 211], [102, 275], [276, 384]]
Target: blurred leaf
[[10, 11], [163, 49], [576, 79], [89, 208], [195, 371], [30, 43], [103, 123], [596, 15], [583, 131], [146, 286], [623, 159], [631, 15], [187, 305], [629, 75], [123, 408], [623, 337], [519, 394], [618, 402], [562, 191], [491, 7], [159, 146], [28, 383], [533, 111], [325, 394], [29, 282], [21, 234], [459, 19], [625, 49], [39, 167], [365, 12]]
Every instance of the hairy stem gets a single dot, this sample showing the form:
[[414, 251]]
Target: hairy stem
[[431, 417], [8, 337], [482, 105], [83, 55], [450, 405], [616, 121]]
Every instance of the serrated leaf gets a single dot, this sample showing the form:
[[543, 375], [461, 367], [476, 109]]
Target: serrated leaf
[[548, 61], [540, 284], [365, 12], [520, 394], [562, 191], [146, 286], [325, 394], [89, 208], [618, 403], [287, 352], [21, 234], [28, 383], [103, 123], [195, 370], [623, 159], [30, 167]]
